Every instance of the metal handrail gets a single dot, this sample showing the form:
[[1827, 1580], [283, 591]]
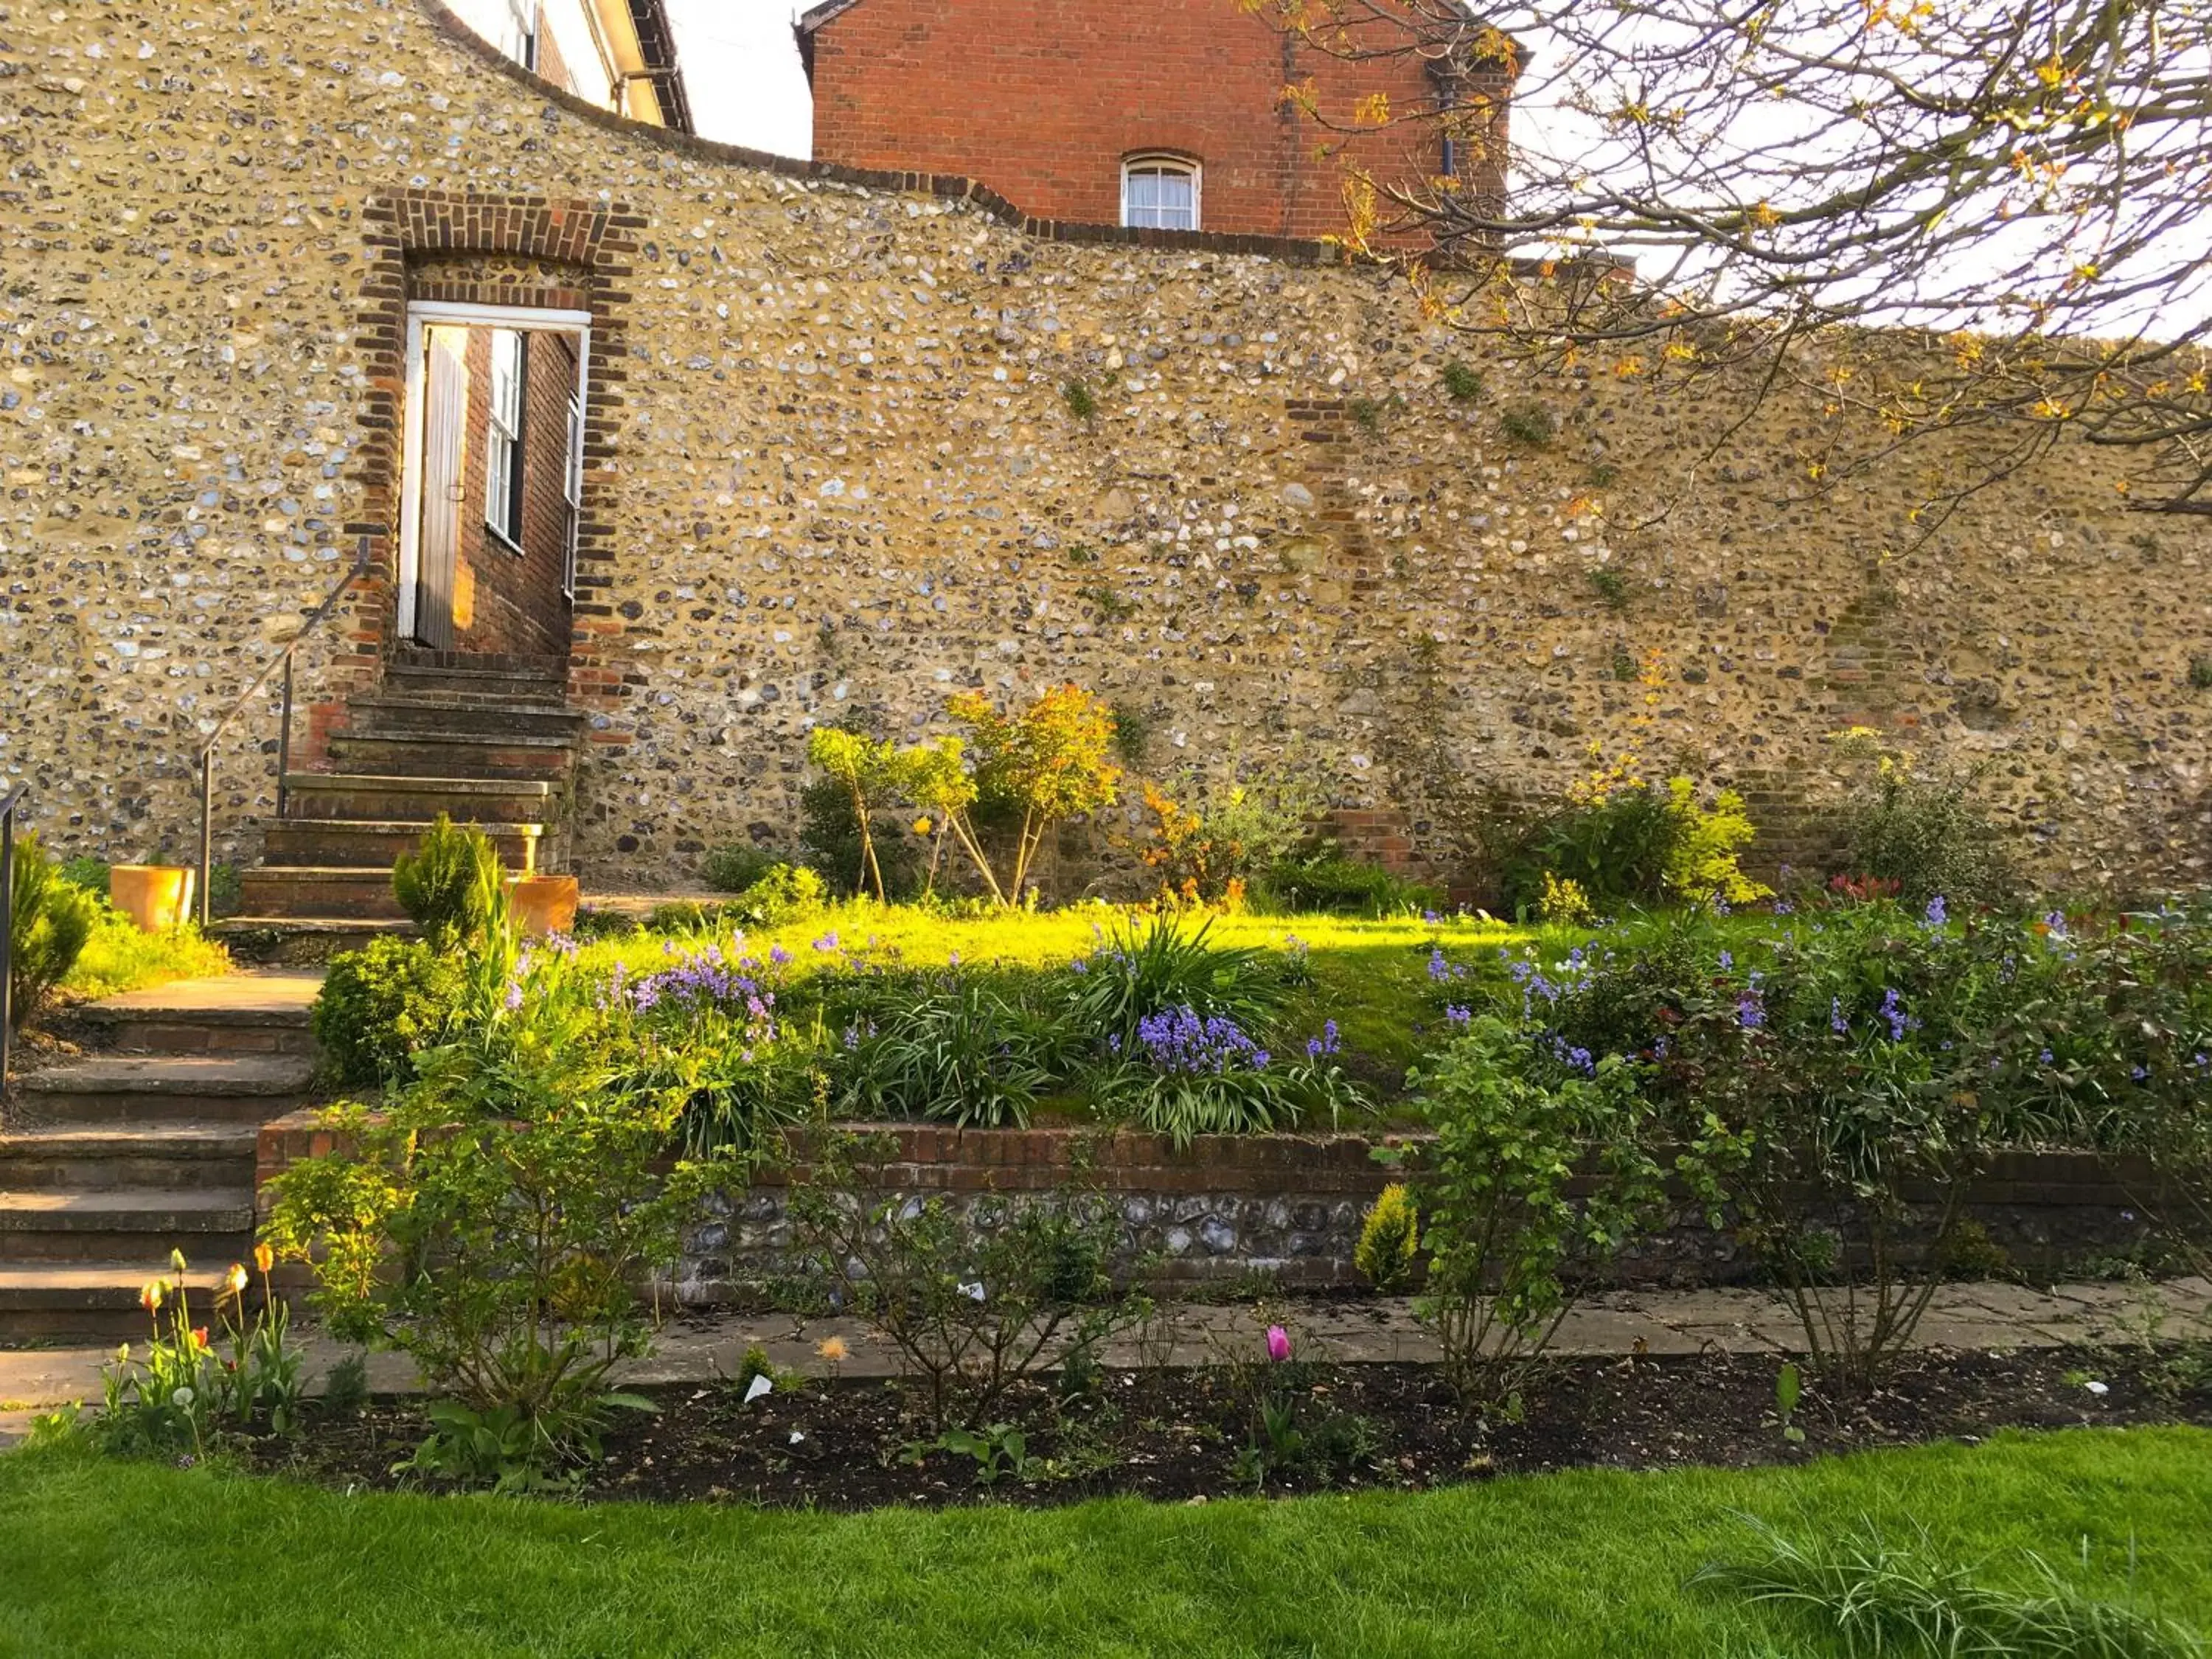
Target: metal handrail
[[8, 803], [282, 659]]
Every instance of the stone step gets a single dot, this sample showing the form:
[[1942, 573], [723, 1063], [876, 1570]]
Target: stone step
[[236, 1014], [99, 1299], [463, 716], [279, 894], [141, 1089], [374, 843], [306, 940], [459, 674], [77, 1226], [466, 800], [454, 755], [105, 1158]]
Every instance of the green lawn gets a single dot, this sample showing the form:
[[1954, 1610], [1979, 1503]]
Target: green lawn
[[100, 1558]]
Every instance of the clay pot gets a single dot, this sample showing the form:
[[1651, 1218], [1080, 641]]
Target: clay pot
[[157, 896], [542, 904]]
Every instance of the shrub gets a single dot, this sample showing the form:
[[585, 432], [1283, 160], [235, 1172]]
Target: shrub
[[974, 1307], [381, 1006], [49, 922], [1926, 835], [1324, 878], [1389, 1239], [735, 865], [494, 1220], [452, 885], [1510, 1250], [89, 873], [1212, 839], [783, 893], [1622, 840]]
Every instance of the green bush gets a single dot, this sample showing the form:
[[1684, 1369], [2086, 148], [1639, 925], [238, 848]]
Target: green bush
[[89, 873], [1134, 975], [379, 1006], [49, 922], [452, 885], [1389, 1239], [1930, 836], [829, 836], [1510, 1250], [736, 866], [1326, 878], [495, 1219], [1631, 843]]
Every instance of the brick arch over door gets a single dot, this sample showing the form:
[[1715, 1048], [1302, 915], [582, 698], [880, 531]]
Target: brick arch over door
[[493, 250]]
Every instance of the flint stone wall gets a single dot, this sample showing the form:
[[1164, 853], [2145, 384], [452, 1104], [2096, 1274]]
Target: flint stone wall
[[833, 470]]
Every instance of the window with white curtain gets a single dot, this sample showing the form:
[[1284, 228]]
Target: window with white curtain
[[1159, 192], [503, 437]]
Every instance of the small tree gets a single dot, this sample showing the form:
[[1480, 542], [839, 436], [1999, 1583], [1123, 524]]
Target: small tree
[[453, 885], [1048, 764], [869, 770], [936, 780]]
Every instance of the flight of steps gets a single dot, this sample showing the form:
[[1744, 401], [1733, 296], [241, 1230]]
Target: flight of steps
[[485, 739], [110, 1161]]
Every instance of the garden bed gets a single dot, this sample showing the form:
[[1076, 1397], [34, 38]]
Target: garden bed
[[1178, 1435]]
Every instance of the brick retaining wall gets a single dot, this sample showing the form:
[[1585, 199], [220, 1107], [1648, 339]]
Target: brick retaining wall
[[1288, 1207]]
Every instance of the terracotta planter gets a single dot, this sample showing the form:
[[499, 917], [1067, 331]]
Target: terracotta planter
[[542, 904], [157, 896]]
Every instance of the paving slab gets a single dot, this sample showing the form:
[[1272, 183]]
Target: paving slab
[[273, 991]]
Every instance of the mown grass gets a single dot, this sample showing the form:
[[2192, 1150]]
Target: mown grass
[[107, 1558]]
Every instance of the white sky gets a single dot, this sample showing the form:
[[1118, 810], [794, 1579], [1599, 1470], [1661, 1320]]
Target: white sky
[[741, 68]]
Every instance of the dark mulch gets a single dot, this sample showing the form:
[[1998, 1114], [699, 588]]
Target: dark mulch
[[1178, 1435]]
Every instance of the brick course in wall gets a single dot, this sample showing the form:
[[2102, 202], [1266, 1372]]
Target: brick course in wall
[[831, 469]]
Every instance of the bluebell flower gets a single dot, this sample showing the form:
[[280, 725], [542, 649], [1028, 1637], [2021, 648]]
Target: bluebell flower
[[1893, 1010], [827, 941], [778, 956], [1727, 960], [1748, 1012], [1936, 915], [1837, 1023], [1458, 1014]]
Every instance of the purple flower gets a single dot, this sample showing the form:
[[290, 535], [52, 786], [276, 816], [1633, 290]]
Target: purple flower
[[778, 956], [1438, 968], [1279, 1344], [1893, 1010], [513, 995], [1749, 1013], [1837, 1023], [1458, 1013], [1936, 915], [827, 941], [1179, 1040], [1727, 960]]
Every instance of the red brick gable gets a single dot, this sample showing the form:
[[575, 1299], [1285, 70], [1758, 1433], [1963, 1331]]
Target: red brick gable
[[1041, 100]]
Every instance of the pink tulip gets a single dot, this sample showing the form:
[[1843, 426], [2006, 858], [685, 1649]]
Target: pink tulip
[[1278, 1343]]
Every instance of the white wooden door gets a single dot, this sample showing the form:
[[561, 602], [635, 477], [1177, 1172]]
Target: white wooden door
[[445, 439]]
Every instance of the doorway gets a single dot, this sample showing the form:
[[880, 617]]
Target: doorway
[[492, 477]]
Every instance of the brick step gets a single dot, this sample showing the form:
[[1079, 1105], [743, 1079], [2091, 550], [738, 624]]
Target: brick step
[[462, 716], [454, 755], [99, 1299], [77, 1226], [141, 1089], [468, 674], [374, 843], [104, 1157], [277, 894], [466, 800], [410, 655], [238, 1014]]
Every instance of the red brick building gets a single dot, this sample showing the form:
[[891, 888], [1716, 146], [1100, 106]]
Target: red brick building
[[1170, 115]]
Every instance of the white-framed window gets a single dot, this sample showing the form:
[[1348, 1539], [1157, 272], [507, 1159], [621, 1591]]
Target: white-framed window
[[503, 436], [1159, 192], [517, 31]]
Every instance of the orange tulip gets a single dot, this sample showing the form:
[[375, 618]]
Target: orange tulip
[[263, 1258], [199, 1336], [149, 1297]]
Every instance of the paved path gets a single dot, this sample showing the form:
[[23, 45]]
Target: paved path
[[700, 1349]]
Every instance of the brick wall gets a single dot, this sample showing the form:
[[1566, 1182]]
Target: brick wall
[[1041, 99], [1289, 1206]]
